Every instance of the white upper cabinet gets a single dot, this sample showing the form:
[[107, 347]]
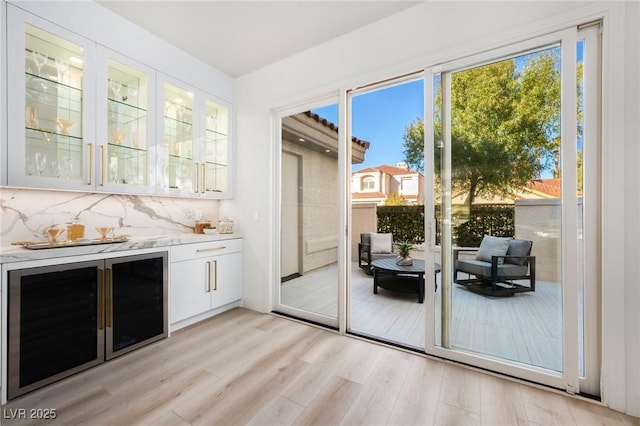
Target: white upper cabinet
[[215, 155], [83, 116], [50, 109], [126, 111], [194, 154]]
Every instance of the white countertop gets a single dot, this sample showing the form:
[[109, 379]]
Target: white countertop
[[20, 254]]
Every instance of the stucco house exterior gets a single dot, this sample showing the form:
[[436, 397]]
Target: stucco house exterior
[[375, 184]]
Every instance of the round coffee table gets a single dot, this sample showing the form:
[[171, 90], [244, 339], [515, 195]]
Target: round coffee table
[[406, 279]]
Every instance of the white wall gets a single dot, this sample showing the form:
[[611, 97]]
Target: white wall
[[428, 34]]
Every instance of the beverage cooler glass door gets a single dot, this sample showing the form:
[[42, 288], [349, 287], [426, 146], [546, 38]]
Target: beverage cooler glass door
[[136, 297], [55, 326]]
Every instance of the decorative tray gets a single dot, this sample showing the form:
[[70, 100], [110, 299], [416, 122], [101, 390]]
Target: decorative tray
[[38, 245]]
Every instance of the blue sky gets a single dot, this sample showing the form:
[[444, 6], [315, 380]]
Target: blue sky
[[381, 117]]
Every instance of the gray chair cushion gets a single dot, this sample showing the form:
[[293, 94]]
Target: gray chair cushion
[[483, 269], [381, 243], [518, 248], [492, 246]]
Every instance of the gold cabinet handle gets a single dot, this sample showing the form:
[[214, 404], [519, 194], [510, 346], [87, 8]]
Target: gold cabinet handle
[[208, 277], [110, 304], [101, 300], [195, 178], [215, 284], [91, 148], [210, 249], [204, 178], [104, 164]]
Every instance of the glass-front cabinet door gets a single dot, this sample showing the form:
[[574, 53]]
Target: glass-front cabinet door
[[193, 152], [49, 122], [176, 165], [215, 161], [125, 132]]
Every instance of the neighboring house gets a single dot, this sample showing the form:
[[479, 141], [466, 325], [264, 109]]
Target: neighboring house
[[375, 184]]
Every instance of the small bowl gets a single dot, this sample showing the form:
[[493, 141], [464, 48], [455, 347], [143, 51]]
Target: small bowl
[[209, 231]]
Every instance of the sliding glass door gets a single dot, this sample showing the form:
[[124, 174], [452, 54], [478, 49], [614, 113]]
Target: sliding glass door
[[501, 158], [507, 143], [309, 215]]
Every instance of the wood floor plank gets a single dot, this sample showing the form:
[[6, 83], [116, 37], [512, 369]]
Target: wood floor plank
[[417, 401], [280, 411], [243, 367], [331, 404], [378, 397], [501, 402], [546, 408], [461, 388]]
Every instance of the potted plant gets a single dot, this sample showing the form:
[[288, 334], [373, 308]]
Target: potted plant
[[404, 249]]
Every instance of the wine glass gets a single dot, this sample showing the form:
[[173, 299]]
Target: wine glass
[[113, 170], [68, 166], [40, 59], [104, 232], [32, 117], [132, 93], [115, 87], [55, 169], [53, 234], [64, 125], [41, 162], [62, 67], [117, 136]]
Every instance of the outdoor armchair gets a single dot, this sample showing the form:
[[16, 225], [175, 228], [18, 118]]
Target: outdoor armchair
[[498, 264], [374, 246]]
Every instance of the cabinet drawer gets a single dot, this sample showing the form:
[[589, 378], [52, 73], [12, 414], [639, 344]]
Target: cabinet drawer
[[202, 250]]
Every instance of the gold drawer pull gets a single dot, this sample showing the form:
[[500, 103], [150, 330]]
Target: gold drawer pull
[[210, 249]]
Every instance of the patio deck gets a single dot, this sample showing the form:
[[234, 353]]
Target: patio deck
[[526, 327]]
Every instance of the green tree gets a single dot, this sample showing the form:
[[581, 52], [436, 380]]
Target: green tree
[[504, 125], [395, 199]]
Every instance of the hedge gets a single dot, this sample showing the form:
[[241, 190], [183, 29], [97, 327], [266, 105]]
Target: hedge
[[406, 223]]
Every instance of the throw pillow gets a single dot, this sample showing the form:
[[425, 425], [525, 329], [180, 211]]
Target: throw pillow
[[492, 246], [518, 248], [381, 243]]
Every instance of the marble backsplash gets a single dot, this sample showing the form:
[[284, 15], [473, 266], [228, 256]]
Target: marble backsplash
[[25, 213]]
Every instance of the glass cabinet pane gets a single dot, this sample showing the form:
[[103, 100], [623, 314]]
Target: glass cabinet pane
[[53, 99], [127, 102], [178, 138], [216, 147]]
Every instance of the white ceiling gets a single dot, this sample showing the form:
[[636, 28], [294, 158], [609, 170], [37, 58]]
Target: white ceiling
[[238, 37]]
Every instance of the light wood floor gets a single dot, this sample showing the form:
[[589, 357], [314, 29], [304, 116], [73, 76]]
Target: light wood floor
[[526, 328], [243, 367]]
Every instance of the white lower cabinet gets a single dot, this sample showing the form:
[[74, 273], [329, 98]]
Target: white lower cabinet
[[204, 277]]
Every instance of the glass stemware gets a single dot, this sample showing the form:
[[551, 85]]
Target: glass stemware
[[115, 87], [64, 125], [62, 67], [40, 59], [41, 162], [104, 232], [132, 93], [68, 166], [117, 137], [32, 117], [53, 234]]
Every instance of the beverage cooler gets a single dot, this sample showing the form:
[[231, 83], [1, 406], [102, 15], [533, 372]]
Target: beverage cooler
[[70, 317]]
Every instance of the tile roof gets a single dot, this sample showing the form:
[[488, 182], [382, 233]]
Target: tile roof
[[332, 126], [552, 187], [390, 170]]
